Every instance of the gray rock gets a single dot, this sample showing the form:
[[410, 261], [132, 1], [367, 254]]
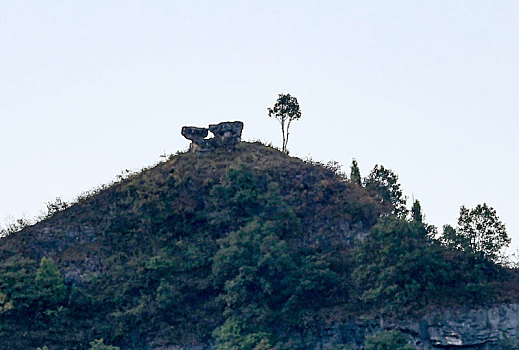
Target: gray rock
[[468, 329], [194, 133], [226, 134], [227, 131]]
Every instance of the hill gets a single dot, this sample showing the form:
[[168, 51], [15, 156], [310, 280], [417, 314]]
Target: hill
[[240, 246]]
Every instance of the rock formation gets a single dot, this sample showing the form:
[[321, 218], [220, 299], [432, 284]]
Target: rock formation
[[467, 329], [226, 134]]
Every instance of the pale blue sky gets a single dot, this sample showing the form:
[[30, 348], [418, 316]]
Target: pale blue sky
[[429, 89]]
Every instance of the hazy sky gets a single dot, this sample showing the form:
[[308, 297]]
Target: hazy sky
[[429, 89]]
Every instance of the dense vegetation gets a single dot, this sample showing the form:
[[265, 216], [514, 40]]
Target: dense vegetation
[[249, 249]]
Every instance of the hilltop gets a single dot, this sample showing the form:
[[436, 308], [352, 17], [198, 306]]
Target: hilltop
[[224, 245]]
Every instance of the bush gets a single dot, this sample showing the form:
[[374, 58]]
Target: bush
[[49, 286], [98, 344], [385, 340]]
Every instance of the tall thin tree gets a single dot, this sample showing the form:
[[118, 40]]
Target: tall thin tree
[[285, 110], [355, 173]]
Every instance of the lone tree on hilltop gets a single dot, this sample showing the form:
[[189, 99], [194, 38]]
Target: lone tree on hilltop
[[285, 110]]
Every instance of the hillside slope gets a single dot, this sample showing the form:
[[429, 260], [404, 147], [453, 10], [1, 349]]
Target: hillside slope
[[142, 248], [242, 247]]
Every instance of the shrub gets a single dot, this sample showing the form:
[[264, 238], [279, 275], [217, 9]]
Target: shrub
[[98, 344], [393, 340]]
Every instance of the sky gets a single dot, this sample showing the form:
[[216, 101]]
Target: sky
[[429, 89]]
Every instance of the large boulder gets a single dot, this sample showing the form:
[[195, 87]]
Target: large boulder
[[194, 133], [226, 134], [227, 130]]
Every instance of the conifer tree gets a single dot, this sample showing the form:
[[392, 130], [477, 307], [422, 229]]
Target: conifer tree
[[416, 212], [49, 285], [355, 173]]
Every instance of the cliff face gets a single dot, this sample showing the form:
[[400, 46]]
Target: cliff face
[[454, 328], [476, 329]]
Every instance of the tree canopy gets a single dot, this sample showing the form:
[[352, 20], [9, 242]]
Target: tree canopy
[[479, 232], [383, 184]]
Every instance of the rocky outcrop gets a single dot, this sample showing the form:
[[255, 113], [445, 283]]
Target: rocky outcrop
[[467, 329], [452, 329], [226, 134], [471, 329], [194, 133]]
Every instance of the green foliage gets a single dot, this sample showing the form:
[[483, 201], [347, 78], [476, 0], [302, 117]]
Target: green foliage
[[385, 340], [454, 240], [44, 348], [256, 272], [5, 303], [48, 284], [383, 184], [396, 267], [416, 212], [481, 231], [251, 246], [98, 344], [285, 110], [355, 173], [231, 336]]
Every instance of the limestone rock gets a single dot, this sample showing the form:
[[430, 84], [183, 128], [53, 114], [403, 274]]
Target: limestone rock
[[226, 134], [227, 131], [464, 329], [194, 133]]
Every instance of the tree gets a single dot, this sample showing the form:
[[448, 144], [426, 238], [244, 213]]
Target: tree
[[49, 286], [383, 184], [416, 212], [480, 232], [396, 269], [355, 173], [285, 110]]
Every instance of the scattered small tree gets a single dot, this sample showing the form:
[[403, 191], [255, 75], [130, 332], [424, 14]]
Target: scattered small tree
[[285, 110], [56, 206], [355, 173]]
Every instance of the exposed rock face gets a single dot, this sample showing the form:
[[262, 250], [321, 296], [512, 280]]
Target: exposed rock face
[[468, 329], [472, 329], [194, 133], [226, 134]]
